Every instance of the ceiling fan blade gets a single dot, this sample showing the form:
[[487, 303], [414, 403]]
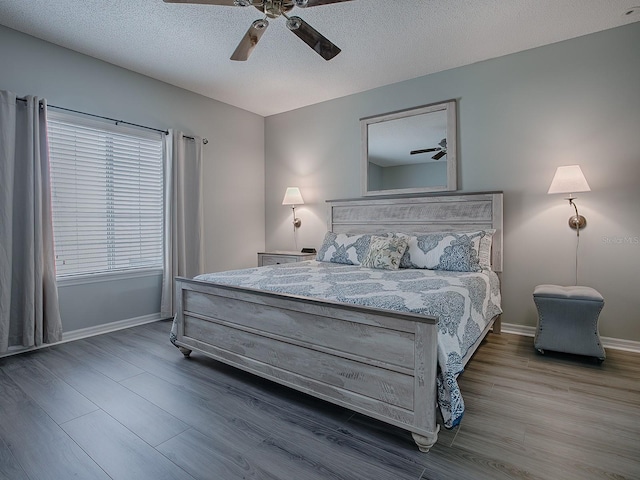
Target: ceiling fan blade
[[424, 150], [230, 3], [313, 38], [250, 40], [439, 155], [315, 3]]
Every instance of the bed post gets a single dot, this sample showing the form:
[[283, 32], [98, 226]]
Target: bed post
[[426, 369], [497, 325]]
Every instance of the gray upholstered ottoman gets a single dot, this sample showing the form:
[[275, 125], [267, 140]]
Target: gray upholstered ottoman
[[568, 320]]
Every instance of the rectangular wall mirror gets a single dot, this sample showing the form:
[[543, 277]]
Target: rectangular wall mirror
[[410, 151]]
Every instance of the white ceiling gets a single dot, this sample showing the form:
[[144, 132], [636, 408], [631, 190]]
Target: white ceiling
[[382, 41]]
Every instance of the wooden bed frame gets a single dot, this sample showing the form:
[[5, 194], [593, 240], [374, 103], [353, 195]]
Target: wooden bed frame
[[377, 362]]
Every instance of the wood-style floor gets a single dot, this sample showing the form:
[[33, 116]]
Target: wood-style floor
[[128, 405]]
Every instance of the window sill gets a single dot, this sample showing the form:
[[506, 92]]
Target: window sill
[[106, 277]]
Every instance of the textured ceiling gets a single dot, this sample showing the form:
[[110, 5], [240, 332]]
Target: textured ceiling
[[382, 41]]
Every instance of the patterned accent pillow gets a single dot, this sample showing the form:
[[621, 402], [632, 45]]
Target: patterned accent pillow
[[385, 252], [484, 253], [451, 251], [342, 248]]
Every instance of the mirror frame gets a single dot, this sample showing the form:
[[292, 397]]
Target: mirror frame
[[452, 159]]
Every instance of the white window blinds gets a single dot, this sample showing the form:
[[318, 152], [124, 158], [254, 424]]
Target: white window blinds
[[107, 184]]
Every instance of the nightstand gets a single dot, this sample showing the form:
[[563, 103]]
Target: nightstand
[[282, 256]]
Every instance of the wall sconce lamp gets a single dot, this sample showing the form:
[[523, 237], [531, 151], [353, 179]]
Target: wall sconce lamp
[[570, 179], [293, 197]]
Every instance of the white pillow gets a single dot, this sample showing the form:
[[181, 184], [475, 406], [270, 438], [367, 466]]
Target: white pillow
[[343, 248], [452, 251]]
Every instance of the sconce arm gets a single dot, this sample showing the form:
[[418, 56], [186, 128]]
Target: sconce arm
[[577, 221]]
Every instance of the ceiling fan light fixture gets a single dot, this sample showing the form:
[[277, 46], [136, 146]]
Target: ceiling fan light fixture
[[301, 3]]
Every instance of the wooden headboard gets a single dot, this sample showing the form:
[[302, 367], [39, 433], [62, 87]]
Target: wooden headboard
[[420, 214]]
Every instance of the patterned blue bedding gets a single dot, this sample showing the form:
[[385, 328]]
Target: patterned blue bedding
[[464, 304]]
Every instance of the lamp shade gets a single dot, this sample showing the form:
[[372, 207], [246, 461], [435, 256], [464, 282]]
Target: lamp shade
[[292, 196], [569, 179]]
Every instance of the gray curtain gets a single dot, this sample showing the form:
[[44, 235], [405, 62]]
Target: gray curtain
[[29, 313], [183, 219]]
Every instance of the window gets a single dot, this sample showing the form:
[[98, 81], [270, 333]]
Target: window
[[107, 183]]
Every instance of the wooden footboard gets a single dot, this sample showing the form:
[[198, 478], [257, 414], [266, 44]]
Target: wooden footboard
[[379, 363]]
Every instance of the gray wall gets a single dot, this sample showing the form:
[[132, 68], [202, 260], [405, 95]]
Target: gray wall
[[520, 117], [233, 161], [416, 175]]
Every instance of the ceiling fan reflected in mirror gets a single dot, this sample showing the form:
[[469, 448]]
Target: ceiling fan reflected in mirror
[[442, 150], [274, 9]]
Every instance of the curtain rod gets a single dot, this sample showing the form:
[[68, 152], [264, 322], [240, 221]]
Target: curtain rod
[[204, 140], [166, 132]]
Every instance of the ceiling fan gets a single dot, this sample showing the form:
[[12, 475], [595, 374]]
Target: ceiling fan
[[442, 150], [275, 9]]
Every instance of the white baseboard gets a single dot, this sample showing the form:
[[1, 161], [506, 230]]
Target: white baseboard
[[109, 327], [90, 332], [620, 344], [607, 342], [523, 330]]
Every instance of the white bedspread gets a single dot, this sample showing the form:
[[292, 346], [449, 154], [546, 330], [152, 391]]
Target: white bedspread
[[463, 303]]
